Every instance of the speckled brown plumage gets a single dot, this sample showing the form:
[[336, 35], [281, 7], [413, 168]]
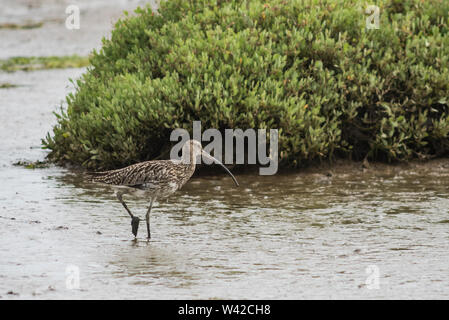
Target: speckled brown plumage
[[154, 179]]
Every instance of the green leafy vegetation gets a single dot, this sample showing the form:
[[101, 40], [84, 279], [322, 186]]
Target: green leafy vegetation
[[32, 164], [311, 69], [26, 25], [7, 85], [37, 63]]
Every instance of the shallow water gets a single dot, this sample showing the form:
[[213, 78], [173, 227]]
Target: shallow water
[[292, 236], [53, 38], [289, 236]]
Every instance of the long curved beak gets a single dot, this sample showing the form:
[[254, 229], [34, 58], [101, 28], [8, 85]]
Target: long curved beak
[[208, 156]]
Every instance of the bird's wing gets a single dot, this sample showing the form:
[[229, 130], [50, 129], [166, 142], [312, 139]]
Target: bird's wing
[[137, 174]]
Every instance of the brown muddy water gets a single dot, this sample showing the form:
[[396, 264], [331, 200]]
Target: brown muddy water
[[378, 233]]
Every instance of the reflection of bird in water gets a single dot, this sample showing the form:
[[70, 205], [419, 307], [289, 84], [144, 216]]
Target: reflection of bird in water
[[154, 179]]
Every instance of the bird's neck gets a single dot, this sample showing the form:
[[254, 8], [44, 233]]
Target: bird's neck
[[188, 164], [189, 158]]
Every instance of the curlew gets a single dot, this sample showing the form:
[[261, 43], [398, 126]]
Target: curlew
[[154, 179]]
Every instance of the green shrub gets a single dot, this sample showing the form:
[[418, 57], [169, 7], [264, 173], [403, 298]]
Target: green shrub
[[309, 68]]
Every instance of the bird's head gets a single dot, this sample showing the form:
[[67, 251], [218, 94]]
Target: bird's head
[[193, 149]]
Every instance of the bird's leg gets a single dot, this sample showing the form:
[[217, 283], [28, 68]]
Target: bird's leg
[[134, 220], [147, 218], [119, 197]]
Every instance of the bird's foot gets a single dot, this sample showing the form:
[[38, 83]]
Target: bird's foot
[[135, 225]]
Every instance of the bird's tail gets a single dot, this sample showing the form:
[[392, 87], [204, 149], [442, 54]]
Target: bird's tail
[[109, 177], [96, 176]]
